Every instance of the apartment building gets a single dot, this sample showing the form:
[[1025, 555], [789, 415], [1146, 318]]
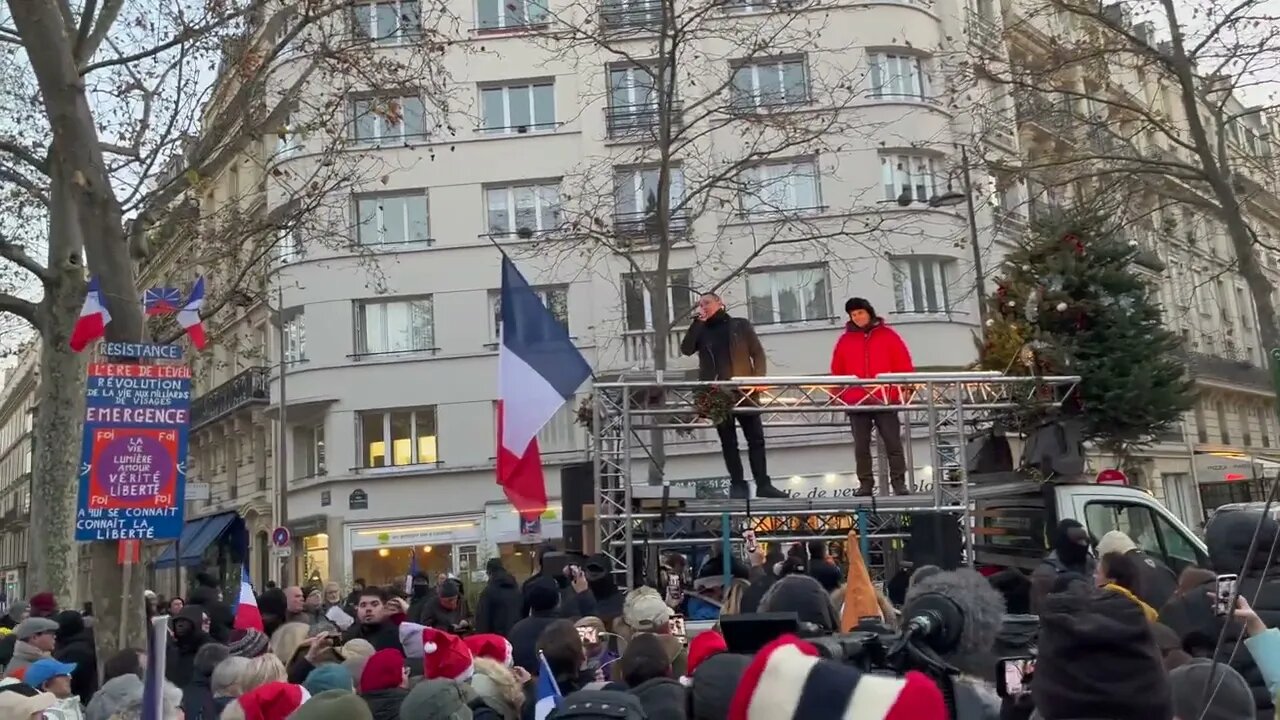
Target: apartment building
[[392, 371], [17, 417], [1089, 112]]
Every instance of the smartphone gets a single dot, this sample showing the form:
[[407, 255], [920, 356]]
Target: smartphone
[[677, 627], [1226, 593], [589, 635], [1013, 676], [749, 536]]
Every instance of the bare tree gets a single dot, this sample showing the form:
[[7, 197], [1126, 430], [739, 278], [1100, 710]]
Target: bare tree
[[721, 120], [138, 132], [1147, 97]]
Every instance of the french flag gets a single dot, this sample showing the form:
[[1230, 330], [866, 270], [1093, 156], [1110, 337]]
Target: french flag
[[153, 678], [189, 315], [539, 369], [247, 614], [547, 690], [93, 320]]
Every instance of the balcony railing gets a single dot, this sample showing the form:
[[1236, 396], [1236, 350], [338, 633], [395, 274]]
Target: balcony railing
[[1051, 115], [1009, 223], [637, 121], [982, 31], [615, 15], [1235, 371], [644, 225], [637, 348], [250, 387]]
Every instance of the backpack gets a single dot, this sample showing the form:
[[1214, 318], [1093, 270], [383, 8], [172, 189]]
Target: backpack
[[599, 705]]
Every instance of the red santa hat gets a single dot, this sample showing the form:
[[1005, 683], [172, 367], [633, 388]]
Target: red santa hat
[[445, 656], [491, 646], [273, 701], [703, 646], [787, 680]]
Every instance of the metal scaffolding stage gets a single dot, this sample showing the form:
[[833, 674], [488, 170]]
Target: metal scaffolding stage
[[945, 406]]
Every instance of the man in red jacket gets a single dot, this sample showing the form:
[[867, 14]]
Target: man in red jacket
[[868, 348]]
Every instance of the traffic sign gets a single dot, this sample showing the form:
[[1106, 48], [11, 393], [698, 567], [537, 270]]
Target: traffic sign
[[280, 537]]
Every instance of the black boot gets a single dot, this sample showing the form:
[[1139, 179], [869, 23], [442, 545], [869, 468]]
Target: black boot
[[899, 487], [865, 489], [766, 491], [739, 490]]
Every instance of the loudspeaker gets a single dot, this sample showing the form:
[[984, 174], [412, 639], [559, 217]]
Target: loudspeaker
[[935, 540], [577, 488]]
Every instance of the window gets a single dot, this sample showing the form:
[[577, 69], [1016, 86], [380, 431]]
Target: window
[[638, 299], [909, 177], [1202, 427], [308, 452], [554, 297], [1264, 427], [920, 284], [781, 186], [514, 109], [392, 219], [522, 210], [788, 295], [633, 98], [636, 191], [288, 140], [1151, 531], [394, 326], [562, 433], [1245, 430], [289, 247], [398, 437], [899, 76], [774, 82], [1224, 432], [295, 335], [395, 119], [498, 14], [388, 22]]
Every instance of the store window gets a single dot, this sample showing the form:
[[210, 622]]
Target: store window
[[315, 558]]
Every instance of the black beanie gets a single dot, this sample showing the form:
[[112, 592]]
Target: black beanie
[[858, 303], [543, 595]]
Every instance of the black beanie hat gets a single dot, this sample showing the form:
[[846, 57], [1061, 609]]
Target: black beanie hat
[[543, 595], [858, 303]]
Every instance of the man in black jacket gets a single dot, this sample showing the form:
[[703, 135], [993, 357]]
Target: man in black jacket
[[374, 621], [727, 347], [500, 601], [208, 595]]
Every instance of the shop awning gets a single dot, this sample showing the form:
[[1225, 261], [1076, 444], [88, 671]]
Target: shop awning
[[197, 536]]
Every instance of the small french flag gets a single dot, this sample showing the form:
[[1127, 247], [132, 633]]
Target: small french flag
[[93, 320], [153, 678], [189, 315], [247, 614], [548, 691]]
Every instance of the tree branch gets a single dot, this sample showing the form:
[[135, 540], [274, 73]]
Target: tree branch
[[89, 42], [17, 254], [24, 182], [24, 309], [24, 155]]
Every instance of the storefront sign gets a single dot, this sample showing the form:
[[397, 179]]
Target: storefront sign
[[503, 525], [441, 532], [1232, 467]]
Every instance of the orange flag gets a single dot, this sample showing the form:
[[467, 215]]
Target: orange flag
[[859, 594]]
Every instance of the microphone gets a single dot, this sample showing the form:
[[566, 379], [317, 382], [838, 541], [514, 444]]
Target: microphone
[[954, 613]]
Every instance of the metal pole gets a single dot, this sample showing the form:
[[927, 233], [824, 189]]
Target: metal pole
[[282, 464], [979, 284]]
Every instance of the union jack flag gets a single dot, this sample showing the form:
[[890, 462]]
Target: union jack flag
[[162, 301]]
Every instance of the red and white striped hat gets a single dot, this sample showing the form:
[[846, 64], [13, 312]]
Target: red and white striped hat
[[787, 679]]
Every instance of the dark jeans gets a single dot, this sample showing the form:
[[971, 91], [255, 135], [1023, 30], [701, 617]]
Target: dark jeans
[[889, 427], [753, 431]]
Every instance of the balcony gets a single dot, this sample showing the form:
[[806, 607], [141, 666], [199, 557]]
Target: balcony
[[1146, 252], [1235, 371], [983, 32], [1052, 116], [642, 228], [617, 15], [637, 122], [250, 387], [1009, 223], [637, 348]]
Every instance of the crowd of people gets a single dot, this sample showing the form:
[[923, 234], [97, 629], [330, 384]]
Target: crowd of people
[[1101, 631]]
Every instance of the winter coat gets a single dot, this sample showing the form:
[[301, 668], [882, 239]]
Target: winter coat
[[1044, 576], [606, 595], [866, 353], [524, 640], [1192, 615], [385, 704], [573, 604], [418, 605], [500, 602], [663, 699], [499, 695], [197, 700], [75, 645], [438, 616], [709, 339], [181, 656], [221, 618], [24, 653], [382, 636]]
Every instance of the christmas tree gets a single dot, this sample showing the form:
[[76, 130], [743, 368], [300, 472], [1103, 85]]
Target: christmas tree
[[1067, 303]]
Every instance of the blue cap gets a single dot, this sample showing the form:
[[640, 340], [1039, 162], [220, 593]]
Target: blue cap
[[42, 671]]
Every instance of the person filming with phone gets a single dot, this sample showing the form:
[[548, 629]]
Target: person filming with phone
[[728, 347]]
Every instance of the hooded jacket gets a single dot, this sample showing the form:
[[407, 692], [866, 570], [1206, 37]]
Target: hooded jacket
[[1192, 616], [75, 645], [385, 704], [183, 646], [607, 596], [24, 653], [499, 608], [1066, 557], [221, 618], [663, 699], [499, 694], [727, 347], [866, 353]]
